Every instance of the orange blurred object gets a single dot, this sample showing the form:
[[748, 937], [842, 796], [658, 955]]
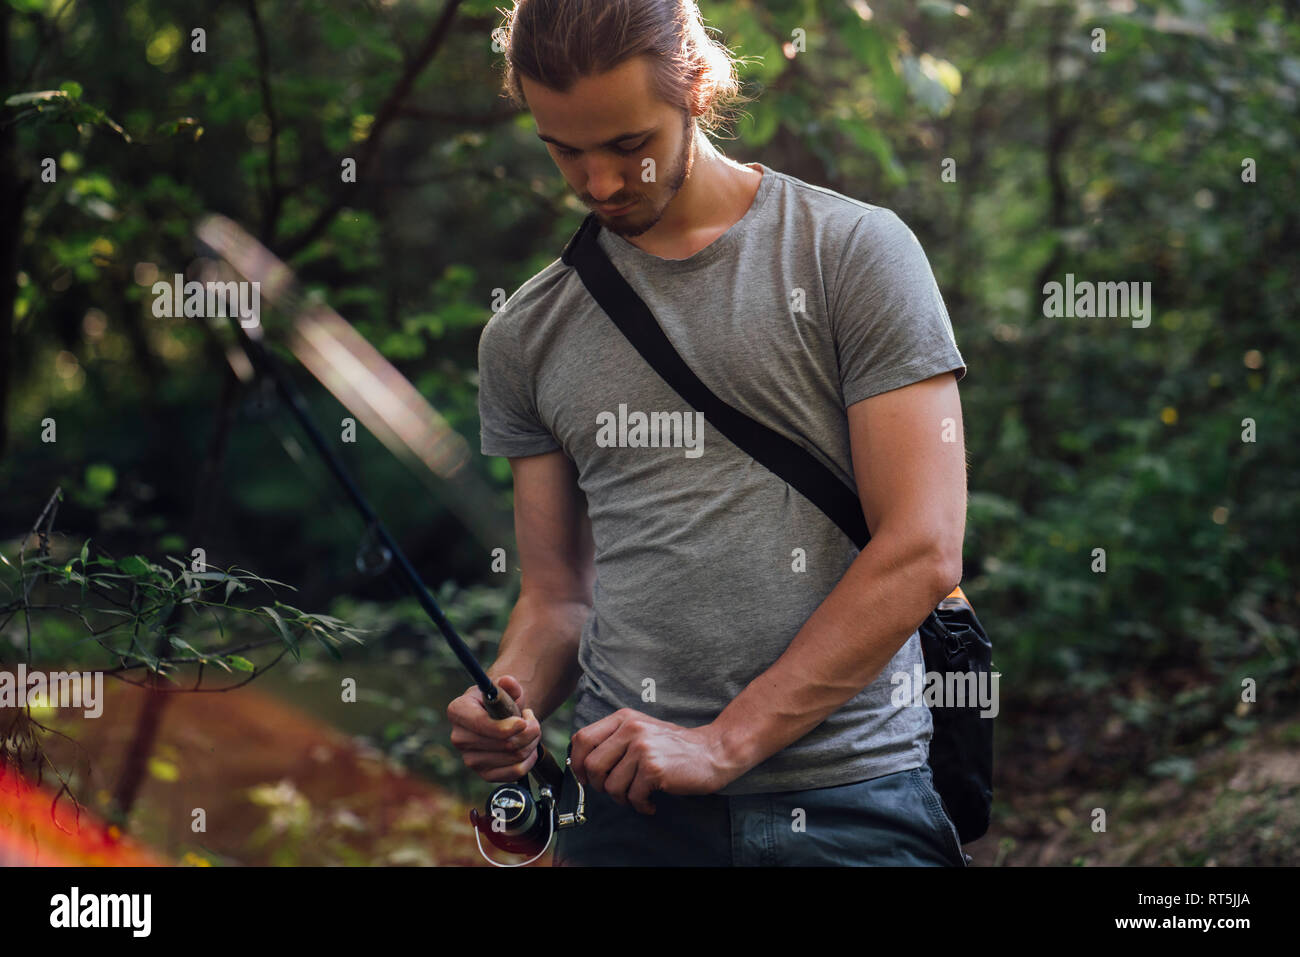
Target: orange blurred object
[[29, 836]]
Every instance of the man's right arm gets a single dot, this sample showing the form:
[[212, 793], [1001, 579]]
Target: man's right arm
[[556, 556], [537, 662]]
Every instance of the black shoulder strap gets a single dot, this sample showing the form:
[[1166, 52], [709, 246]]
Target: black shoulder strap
[[790, 461]]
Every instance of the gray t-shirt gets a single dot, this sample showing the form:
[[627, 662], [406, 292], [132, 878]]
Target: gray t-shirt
[[811, 302]]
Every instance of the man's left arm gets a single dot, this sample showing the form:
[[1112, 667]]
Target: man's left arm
[[910, 467], [912, 484]]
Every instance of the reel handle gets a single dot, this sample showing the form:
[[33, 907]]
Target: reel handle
[[546, 770]]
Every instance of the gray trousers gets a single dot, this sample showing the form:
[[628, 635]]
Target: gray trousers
[[894, 820]]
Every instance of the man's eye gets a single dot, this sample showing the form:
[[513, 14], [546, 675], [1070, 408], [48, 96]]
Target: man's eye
[[569, 154]]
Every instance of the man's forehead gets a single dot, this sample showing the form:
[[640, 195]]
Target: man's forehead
[[595, 108]]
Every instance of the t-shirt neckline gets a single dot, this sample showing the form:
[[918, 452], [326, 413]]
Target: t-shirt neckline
[[617, 247]]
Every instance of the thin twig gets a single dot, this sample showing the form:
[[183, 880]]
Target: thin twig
[[161, 690]]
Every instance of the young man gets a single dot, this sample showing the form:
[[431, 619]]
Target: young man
[[731, 650]]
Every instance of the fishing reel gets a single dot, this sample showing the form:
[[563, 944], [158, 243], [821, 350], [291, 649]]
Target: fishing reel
[[521, 822], [517, 820]]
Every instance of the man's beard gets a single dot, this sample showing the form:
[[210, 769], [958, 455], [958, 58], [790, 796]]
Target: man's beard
[[684, 163]]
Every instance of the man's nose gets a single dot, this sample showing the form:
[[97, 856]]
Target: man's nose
[[604, 180]]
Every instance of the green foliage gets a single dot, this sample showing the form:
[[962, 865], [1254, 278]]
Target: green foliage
[[127, 606]]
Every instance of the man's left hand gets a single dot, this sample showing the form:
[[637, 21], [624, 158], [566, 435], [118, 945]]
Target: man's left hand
[[629, 754]]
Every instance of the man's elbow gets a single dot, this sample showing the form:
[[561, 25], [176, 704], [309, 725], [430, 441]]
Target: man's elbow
[[933, 558], [945, 570]]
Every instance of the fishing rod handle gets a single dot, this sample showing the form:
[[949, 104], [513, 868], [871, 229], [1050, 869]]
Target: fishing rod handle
[[545, 769]]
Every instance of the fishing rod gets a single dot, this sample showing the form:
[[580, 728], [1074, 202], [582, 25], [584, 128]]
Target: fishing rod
[[515, 819]]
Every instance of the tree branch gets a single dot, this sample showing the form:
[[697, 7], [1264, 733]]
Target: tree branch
[[274, 197], [388, 112]]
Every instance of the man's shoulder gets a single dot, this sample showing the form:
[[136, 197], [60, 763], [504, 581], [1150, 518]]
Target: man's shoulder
[[837, 216], [539, 294], [823, 197]]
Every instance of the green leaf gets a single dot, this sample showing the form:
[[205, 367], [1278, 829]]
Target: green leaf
[[334, 652], [185, 646], [136, 566], [324, 619], [284, 631], [240, 663], [269, 581], [220, 630], [41, 96], [72, 88]]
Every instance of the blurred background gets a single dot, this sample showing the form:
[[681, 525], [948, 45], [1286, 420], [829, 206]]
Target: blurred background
[[1119, 141]]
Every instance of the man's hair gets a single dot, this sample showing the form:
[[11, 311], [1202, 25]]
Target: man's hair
[[557, 42]]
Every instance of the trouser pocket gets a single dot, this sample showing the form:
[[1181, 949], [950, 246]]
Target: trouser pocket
[[885, 821], [923, 779]]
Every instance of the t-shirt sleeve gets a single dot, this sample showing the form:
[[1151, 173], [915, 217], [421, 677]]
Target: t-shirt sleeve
[[509, 424], [890, 324]]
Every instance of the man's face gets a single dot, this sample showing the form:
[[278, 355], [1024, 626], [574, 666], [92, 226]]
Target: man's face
[[602, 132]]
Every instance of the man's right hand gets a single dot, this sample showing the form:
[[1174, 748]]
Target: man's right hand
[[495, 750]]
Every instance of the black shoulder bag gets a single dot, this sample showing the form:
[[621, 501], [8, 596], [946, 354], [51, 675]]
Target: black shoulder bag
[[952, 639]]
